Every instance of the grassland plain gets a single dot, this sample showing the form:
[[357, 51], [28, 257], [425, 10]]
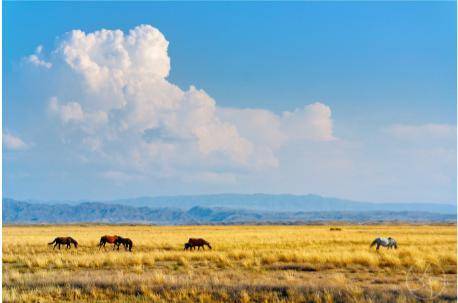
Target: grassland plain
[[247, 264]]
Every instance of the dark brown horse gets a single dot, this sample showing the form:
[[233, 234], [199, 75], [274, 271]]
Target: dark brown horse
[[124, 241], [193, 243], [108, 239], [68, 241]]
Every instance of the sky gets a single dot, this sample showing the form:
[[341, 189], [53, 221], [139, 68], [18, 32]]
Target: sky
[[353, 100]]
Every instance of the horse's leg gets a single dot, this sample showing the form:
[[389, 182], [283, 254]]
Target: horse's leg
[[59, 246], [378, 245], [54, 246]]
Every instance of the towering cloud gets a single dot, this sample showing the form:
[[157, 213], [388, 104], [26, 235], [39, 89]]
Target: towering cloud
[[129, 114]]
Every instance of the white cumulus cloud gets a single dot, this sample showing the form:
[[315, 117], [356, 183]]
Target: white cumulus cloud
[[311, 123], [129, 115], [35, 59], [11, 142]]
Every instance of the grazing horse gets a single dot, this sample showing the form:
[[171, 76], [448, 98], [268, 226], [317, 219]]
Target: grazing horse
[[107, 239], [198, 243], [68, 241], [124, 241], [385, 242]]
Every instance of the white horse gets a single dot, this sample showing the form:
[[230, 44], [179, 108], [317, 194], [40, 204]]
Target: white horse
[[385, 242]]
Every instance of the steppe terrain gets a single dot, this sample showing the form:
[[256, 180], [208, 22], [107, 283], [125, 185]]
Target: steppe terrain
[[246, 264]]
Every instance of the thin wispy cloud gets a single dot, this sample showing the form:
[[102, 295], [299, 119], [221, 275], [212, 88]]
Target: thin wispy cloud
[[13, 143]]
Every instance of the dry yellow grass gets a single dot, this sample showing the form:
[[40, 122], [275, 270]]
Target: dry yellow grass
[[247, 264]]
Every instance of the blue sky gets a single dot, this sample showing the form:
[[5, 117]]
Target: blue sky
[[358, 101]]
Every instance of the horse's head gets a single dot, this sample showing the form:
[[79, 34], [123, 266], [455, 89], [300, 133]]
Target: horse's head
[[75, 243]]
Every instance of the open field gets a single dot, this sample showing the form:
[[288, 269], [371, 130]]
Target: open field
[[247, 264]]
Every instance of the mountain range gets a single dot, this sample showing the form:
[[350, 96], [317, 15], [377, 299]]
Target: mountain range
[[222, 209]]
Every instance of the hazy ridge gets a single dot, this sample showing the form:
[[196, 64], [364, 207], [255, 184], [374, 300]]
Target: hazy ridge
[[223, 209]]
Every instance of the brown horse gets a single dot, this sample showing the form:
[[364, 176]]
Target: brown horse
[[124, 241], [108, 239], [68, 241], [192, 243]]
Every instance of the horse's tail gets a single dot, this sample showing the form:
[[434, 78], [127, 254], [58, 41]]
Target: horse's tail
[[51, 243], [374, 242]]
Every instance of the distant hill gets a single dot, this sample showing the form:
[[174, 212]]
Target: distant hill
[[285, 202], [15, 212]]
